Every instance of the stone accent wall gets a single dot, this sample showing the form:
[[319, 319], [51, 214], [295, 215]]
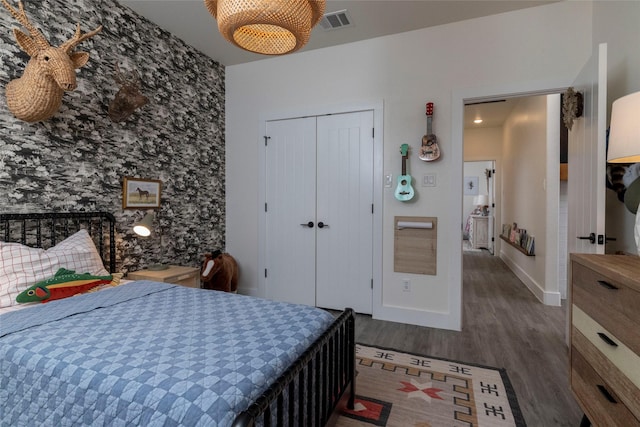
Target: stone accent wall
[[76, 160]]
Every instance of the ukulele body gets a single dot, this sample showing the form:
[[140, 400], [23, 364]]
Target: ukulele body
[[404, 190], [429, 151]]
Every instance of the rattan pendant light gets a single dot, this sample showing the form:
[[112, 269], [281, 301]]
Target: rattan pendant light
[[270, 27]]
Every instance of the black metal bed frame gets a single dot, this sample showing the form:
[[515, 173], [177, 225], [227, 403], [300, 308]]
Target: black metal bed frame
[[314, 384], [44, 230]]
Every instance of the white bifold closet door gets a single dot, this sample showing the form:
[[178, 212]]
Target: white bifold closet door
[[319, 212]]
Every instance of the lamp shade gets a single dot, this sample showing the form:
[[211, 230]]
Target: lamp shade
[[144, 227], [269, 27], [624, 134], [481, 200]]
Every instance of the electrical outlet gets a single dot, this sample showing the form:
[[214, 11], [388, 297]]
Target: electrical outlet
[[406, 285]]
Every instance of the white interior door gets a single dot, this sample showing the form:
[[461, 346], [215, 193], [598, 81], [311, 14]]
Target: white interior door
[[586, 159], [318, 211], [345, 208], [290, 257]]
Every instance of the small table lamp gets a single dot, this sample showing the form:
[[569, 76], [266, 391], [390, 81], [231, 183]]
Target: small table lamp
[[624, 147], [143, 229], [482, 201]]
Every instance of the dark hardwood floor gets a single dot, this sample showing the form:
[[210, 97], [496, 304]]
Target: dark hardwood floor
[[505, 326]]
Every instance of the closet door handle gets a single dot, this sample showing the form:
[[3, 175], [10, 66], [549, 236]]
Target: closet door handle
[[607, 285], [606, 394], [322, 225], [606, 339], [308, 224]]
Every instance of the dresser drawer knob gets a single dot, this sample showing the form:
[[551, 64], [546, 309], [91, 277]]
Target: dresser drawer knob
[[606, 339], [607, 285], [606, 394]]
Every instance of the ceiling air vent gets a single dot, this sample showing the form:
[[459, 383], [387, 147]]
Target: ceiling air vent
[[335, 20]]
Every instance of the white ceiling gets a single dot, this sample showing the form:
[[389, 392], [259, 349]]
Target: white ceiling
[[493, 114], [191, 21]]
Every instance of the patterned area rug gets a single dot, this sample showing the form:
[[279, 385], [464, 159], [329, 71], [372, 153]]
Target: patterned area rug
[[402, 390]]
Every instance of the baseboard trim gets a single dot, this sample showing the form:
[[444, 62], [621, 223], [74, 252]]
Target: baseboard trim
[[545, 297], [412, 316]]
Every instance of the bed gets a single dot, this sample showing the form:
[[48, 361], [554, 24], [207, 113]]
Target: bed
[[147, 353]]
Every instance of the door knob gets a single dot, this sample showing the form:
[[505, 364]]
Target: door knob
[[591, 238], [308, 224], [322, 225]]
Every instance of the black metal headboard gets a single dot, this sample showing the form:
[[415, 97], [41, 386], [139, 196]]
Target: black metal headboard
[[44, 230]]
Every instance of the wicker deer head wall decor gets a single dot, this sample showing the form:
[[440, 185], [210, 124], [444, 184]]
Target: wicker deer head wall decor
[[50, 72], [129, 98]]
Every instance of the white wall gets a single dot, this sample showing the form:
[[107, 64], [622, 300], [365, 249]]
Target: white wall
[[524, 180], [616, 23], [534, 47]]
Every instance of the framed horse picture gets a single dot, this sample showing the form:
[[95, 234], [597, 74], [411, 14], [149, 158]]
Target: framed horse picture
[[140, 193]]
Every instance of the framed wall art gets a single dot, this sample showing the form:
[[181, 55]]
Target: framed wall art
[[141, 193], [470, 185]]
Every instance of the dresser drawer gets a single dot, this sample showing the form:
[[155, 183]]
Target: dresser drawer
[[605, 337], [617, 364], [602, 405], [188, 280], [608, 302]]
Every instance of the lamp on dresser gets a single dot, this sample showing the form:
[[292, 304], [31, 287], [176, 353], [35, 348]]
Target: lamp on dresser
[[624, 147], [144, 229], [481, 202]]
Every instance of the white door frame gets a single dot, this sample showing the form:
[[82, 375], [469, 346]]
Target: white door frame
[[458, 99], [492, 208], [587, 142], [378, 162]]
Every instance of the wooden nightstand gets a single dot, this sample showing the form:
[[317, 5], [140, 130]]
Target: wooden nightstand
[[185, 276], [479, 232]]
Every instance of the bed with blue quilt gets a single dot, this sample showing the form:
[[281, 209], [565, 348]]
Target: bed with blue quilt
[[157, 354]]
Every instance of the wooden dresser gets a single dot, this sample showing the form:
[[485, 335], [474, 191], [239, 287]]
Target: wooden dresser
[[605, 338]]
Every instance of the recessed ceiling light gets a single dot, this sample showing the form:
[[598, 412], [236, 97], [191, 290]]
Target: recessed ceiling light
[[477, 121]]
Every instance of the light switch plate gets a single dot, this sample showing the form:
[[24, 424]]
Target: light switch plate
[[388, 180], [429, 180]]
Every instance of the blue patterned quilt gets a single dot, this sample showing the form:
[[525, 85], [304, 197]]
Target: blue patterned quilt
[[147, 354]]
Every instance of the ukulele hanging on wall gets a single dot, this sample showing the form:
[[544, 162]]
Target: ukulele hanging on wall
[[404, 190], [429, 151]]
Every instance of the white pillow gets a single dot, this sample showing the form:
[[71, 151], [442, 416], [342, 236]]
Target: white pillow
[[22, 266]]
